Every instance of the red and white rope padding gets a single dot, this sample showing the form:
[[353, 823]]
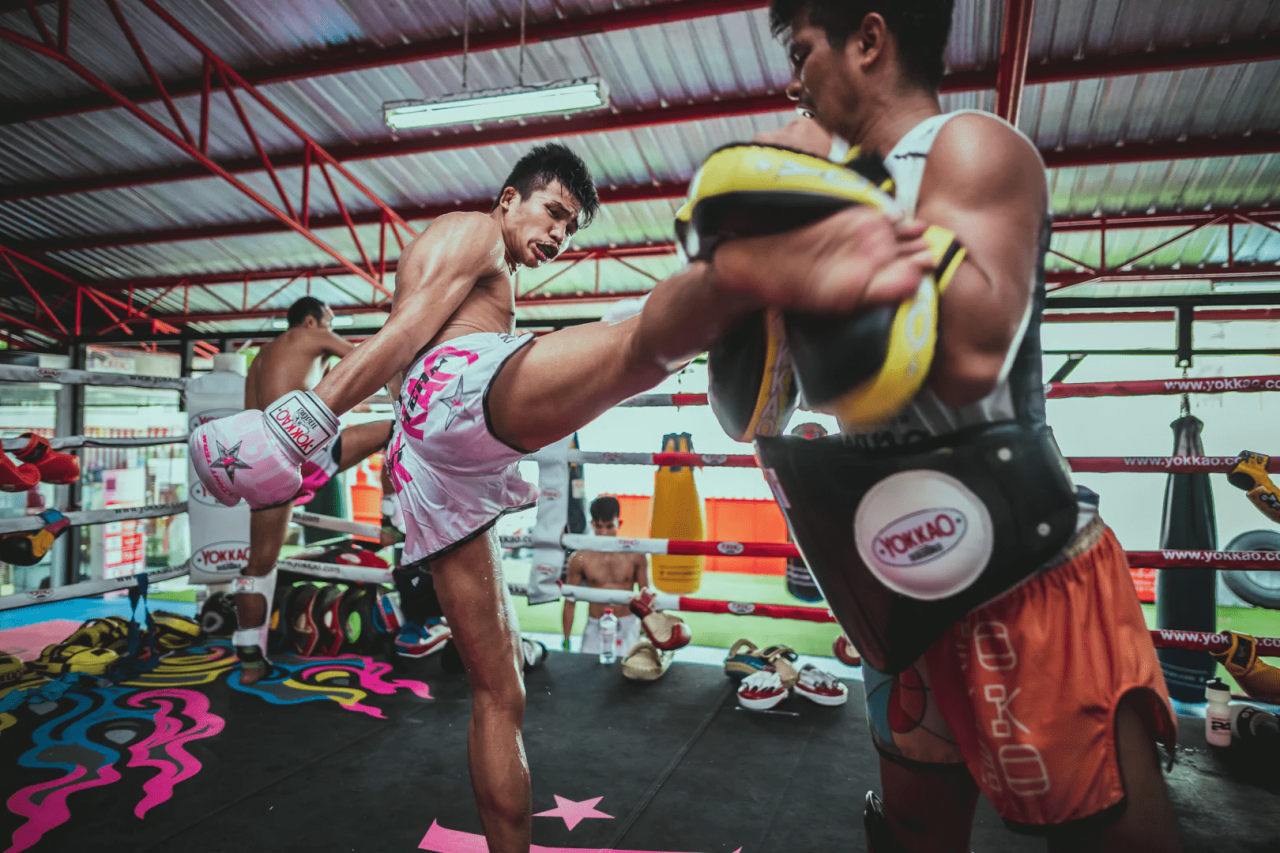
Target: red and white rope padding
[[1152, 387], [1167, 559], [1081, 464], [1199, 641], [1162, 638], [85, 589], [1058, 390]]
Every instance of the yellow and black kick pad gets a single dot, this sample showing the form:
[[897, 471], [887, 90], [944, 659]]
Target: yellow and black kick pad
[[863, 368]]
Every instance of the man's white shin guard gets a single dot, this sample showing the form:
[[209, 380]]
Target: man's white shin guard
[[254, 635]]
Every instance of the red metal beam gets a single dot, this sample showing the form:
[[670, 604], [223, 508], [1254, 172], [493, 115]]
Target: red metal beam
[[1015, 48], [1210, 314], [608, 195], [1233, 53], [364, 57], [359, 58]]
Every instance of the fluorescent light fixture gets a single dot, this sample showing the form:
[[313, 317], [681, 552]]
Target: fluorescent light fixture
[[564, 96], [1247, 286], [342, 320], [279, 323]]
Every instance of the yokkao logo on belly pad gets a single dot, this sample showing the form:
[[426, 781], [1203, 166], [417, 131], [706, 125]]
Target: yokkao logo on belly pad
[[923, 534]]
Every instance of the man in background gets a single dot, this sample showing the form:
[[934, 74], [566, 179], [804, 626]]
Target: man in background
[[292, 362], [600, 570]]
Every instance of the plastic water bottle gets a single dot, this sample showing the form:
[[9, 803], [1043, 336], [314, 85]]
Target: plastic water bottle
[[1217, 717], [609, 636]]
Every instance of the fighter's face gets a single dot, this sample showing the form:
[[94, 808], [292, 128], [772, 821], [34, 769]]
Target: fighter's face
[[823, 80], [609, 527], [539, 227]]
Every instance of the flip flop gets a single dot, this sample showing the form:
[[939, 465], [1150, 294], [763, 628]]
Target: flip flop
[[744, 660]]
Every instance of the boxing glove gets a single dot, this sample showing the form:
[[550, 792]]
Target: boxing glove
[[1250, 474], [257, 455], [60, 469], [29, 547], [17, 478]]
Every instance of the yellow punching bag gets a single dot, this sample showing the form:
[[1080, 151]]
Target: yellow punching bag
[[677, 513]]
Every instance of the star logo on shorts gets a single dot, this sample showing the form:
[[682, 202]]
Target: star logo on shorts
[[455, 403], [229, 460]]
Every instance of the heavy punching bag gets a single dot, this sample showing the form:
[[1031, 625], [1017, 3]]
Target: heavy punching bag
[[1186, 599]]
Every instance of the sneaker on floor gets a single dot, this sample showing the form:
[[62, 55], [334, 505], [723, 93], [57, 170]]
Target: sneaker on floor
[[418, 641], [762, 691], [821, 687]]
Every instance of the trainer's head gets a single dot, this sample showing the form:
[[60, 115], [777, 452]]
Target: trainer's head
[[604, 515], [309, 312], [853, 59], [547, 197]]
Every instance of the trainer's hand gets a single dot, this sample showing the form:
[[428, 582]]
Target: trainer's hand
[[803, 134], [257, 455], [857, 257]]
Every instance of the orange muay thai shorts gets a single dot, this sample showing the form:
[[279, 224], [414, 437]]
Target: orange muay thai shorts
[[1024, 690]]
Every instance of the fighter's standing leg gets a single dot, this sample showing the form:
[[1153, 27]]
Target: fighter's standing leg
[[929, 807], [267, 531], [1148, 823], [474, 596]]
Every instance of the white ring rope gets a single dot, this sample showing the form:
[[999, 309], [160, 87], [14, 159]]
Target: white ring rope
[[87, 588], [24, 373], [338, 525], [71, 442], [335, 571], [94, 516]]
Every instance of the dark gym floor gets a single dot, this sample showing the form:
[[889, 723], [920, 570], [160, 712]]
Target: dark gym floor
[[669, 766]]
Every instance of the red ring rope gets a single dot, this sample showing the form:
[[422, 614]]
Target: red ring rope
[[1081, 464], [1058, 390]]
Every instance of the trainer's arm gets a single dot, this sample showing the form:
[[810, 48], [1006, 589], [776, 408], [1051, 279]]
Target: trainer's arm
[[435, 274], [986, 184], [327, 342]]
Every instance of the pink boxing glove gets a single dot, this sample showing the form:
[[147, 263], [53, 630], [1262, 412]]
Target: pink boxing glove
[[258, 455]]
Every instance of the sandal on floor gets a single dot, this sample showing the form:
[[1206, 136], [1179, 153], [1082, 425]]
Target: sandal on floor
[[62, 658], [744, 660], [645, 662], [780, 659]]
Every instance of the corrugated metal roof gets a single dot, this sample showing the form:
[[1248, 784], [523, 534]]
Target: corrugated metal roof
[[651, 67]]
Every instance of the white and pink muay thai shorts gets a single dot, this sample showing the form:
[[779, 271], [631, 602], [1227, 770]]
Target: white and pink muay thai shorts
[[454, 477]]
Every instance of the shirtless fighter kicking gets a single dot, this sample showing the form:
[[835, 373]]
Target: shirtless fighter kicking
[[291, 362], [948, 537], [475, 398], [599, 570]]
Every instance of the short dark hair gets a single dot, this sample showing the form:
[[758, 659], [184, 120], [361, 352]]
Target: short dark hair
[[921, 28], [307, 306], [555, 162], [605, 507]]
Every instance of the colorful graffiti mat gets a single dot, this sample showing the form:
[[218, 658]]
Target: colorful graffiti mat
[[85, 730]]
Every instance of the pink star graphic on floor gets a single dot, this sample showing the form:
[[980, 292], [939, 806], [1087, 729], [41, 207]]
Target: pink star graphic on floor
[[574, 813]]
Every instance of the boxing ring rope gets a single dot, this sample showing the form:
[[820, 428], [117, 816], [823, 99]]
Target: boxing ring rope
[[73, 442], [1057, 390], [25, 373], [1079, 464], [87, 588], [94, 516]]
